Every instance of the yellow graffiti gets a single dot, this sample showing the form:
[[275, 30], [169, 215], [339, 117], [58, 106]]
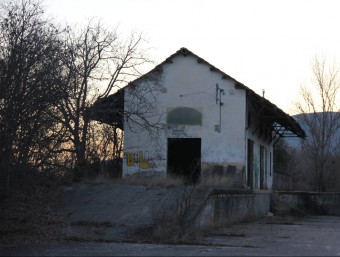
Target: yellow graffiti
[[130, 159], [140, 160], [144, 164]]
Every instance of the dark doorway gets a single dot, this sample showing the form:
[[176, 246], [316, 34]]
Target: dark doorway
[[262, 166], [250, 164], [184, 158]]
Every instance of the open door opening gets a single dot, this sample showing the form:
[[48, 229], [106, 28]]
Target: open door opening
[[184, 158], [263, 167], [250, 163]]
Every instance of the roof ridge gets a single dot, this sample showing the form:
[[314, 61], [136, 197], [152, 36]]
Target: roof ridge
[[185, 52]]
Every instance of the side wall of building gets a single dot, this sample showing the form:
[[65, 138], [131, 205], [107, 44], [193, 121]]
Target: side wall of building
[[260, 157]]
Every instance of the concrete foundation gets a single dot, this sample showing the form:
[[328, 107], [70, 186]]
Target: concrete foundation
[[113, 211], [231, 206], [327, 203]]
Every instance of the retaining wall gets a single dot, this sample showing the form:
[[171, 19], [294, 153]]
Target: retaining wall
[[226, 207], [327, 203]]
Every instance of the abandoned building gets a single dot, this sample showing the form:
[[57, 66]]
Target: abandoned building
[[188, 118]]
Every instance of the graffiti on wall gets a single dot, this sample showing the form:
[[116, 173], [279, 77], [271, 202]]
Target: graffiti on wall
[[142, 160]]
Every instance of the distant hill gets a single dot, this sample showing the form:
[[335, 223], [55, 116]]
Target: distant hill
[[295, 141]]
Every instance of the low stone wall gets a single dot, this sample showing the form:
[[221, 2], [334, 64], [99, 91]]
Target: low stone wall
[[226, 207], [285, 202]]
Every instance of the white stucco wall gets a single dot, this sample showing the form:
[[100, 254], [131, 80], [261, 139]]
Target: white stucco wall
[[187, 83]]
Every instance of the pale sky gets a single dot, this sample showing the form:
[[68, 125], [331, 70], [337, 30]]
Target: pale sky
[[264, 44]]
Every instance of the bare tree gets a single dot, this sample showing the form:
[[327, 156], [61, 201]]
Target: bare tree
[[98, 62], [104, 148], [105, 141], [320, 117], [30, 85]]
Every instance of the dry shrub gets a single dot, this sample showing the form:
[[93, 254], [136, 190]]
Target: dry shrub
[[172, 227], [175, 224], [165, 180], [216, 181], [280, 219], [152, 179], [159, 179], [102, 178], [149, 178]]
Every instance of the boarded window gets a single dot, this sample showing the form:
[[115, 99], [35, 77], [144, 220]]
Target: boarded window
[[184, 116]]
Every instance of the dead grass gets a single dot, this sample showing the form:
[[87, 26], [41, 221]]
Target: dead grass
[[171, 231], [100, 179], [215, 181], [172, 227], [164, 233], [280, 219], [92, 224], [163, 180], [27, 215], [154, 179], [226, 232], [157, 179]]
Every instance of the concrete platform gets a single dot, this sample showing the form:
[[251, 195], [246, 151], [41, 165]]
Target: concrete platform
[[109, 211]]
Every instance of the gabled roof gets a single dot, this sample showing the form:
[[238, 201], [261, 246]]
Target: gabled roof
[[267, 111]]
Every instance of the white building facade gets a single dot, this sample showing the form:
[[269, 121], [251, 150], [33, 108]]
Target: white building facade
[[202, 123]]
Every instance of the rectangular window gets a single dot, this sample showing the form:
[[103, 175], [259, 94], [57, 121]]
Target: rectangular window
[[270, 163], [250, 163], [263, 167]]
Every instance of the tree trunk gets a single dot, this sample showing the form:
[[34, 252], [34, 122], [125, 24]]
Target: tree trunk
[[6, 164], [80, 165], [80, 146]]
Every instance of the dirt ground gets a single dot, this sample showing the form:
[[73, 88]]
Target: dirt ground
[[105, 212], [48, 221], [308, 236], [28, 216]]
